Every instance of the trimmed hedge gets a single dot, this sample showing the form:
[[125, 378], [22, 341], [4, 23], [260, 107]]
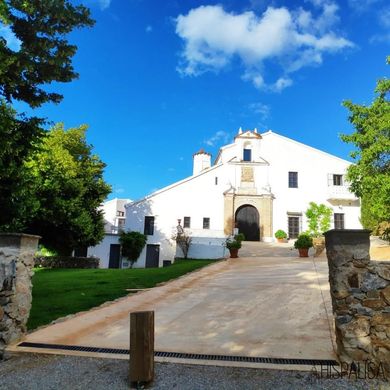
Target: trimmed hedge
[[66, 262]]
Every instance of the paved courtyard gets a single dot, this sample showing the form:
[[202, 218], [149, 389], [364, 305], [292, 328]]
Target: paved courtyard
[[266, 303]]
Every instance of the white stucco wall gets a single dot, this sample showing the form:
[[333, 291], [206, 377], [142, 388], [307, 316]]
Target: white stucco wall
[[110, 209], [198, 196], [313, 167], [102, 250], [205, 248]]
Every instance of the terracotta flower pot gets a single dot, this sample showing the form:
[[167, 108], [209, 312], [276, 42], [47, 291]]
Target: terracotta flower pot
[[303, 252], [281, 240], [233, 253]]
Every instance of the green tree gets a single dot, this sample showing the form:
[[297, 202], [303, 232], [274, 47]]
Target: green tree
[[132, 244], [370, 175], [318, 217], [70, 187], [19, 136], [45, 54]]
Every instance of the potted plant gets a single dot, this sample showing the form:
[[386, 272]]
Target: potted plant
[[281, 235], [303, 243], [318, 218], [234, 244]]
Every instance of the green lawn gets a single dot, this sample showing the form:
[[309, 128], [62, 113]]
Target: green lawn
[[59, 292]]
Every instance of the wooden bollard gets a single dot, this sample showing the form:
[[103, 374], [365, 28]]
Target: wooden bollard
[[141, 347]]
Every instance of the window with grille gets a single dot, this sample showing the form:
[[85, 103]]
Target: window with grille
[[293, 179], [338, 221], [149, 226], [206, 223], [187, 222], [293, 226], [337, 180]]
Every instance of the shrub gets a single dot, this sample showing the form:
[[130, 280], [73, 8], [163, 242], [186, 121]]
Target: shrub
[[303, 241], [281, 234], [234, 242], [132, 245], [239, 237], [66, 262], [318, 216], [183, 240]]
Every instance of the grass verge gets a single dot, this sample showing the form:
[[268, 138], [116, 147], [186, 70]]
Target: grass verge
[[59, 292]]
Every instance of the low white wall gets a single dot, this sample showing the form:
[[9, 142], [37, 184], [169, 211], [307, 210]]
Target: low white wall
[[205, 248], [102, 250]]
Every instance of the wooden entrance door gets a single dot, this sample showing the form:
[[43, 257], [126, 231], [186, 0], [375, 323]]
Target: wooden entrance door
[[115, 256], [152, 256], [247, 222]]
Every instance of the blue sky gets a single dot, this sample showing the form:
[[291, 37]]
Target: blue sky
[[161, 79]]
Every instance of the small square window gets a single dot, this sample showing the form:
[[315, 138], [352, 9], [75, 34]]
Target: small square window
[[187, 222], [149, 226], [206, 223], [337, 180], [293, 179], [216, 180]]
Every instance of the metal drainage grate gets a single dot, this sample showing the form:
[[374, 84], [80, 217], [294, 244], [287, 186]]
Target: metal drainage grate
[[181, 355]]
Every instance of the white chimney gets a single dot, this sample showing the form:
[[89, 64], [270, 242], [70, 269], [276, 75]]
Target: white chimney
[[202, 161]]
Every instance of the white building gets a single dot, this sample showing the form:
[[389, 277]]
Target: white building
[[114, 215], [260, 183], [108, 250]]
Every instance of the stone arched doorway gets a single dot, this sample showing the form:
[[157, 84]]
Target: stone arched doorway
[[247, 222]]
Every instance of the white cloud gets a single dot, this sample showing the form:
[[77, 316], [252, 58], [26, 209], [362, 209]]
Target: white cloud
[[219, 136], [261, 109], [149, 28], [12, 42], [362, 5], [102, 4], [380, 38], [118, 190], [384, 17], [293, 39], [282, 83]]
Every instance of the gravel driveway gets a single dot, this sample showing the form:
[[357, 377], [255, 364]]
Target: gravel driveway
[[41, 372]]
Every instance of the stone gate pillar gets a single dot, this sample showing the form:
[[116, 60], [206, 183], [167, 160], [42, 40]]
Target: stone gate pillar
[[360, 291], [16, 262]]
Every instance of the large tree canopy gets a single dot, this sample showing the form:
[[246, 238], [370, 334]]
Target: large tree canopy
[[45, 54], [70, 188], [370, 175], [19, 137]]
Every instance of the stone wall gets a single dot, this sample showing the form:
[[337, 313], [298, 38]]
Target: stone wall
[[16, 262], [360, 291]]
